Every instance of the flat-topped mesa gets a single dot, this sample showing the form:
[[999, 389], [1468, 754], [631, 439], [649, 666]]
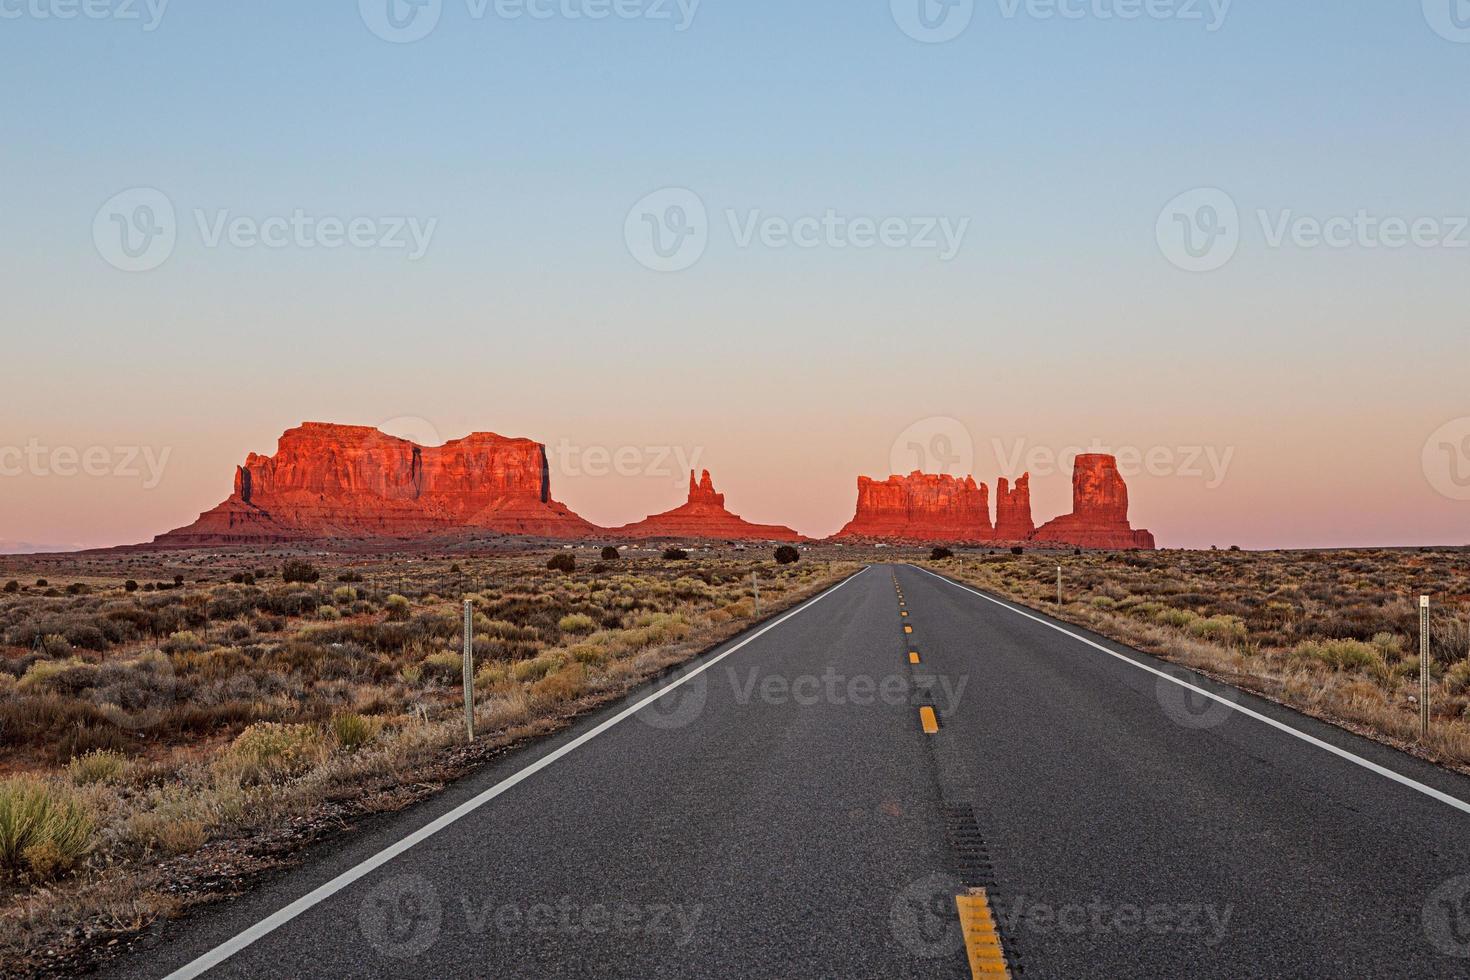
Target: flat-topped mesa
[[704, 517], [1099, 517], [921, 507], [1013, 510], [346, 481]]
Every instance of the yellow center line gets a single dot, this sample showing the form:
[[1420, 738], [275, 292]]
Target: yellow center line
[[982, 940], [913, 656], [929, 720], [908, 629]]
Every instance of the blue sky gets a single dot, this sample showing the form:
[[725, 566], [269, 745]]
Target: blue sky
[[528, 141]]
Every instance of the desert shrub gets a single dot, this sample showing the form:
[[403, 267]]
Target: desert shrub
[[184, 641], [577, 623], [1345, 655], [675, 554], [12, 587], [411, 674], [97, 766], [534, 669], [566, 684], [45, 829], [787, 555], [610, 553], [130, 585], [353, 731], [41, 583], [445, 667], [1222, 629], [268, 749], [939, 554], [1018, 550], [300, 571], [562, 563], [76, 588], [344, 595], [398, 608]]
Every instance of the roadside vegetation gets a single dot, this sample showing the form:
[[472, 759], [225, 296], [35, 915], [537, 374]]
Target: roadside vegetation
[[1333, 634], [155, 737]]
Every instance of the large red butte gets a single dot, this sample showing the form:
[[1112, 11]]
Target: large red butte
[[704, 517]]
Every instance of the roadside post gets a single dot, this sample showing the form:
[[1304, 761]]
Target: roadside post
[[1424, 666], [1059, 586], [469, 670], [755, 584]]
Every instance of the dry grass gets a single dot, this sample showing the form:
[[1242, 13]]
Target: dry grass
[[170, 722], [1333, 634]]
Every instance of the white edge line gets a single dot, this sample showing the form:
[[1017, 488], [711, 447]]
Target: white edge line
[[273, 922], [1429, 791]]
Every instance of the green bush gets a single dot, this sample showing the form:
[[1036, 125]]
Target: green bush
[[12, 587], [300, 571], [787, 555], [97, 766], [353, 731], [563, 562], [1346, 655], [45, 829], [344, 595], [611, 554], [577, 623], [398, 608], [269, 748]]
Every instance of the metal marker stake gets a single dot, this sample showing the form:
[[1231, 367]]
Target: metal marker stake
[[1424, 666], [757, 586], [469, 670]]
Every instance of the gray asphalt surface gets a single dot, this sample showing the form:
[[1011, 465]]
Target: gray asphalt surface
[[783, 815]]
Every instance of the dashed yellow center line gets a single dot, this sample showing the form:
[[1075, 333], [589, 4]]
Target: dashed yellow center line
[[908, 629], [904, 613], [929, 720], [913, 656], [982, 940]]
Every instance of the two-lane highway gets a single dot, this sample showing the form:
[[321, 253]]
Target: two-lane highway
[[787, 807]]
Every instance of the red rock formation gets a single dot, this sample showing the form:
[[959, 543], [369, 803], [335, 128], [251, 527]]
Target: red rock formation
[[1013, 510], [343, 481], [921, 507], [1099, 517], [704, 517]]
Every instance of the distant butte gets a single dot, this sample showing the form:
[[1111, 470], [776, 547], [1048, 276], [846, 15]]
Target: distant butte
[[354, 483], [704, 516]]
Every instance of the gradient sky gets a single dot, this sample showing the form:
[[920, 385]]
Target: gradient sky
[[1322, 372]]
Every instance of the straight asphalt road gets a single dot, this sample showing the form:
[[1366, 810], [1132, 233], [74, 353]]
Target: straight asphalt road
[[787, 807]]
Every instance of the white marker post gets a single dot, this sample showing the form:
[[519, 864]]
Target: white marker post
[[1059, 586], [469, 670], [755, 584], [1424, 666]]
